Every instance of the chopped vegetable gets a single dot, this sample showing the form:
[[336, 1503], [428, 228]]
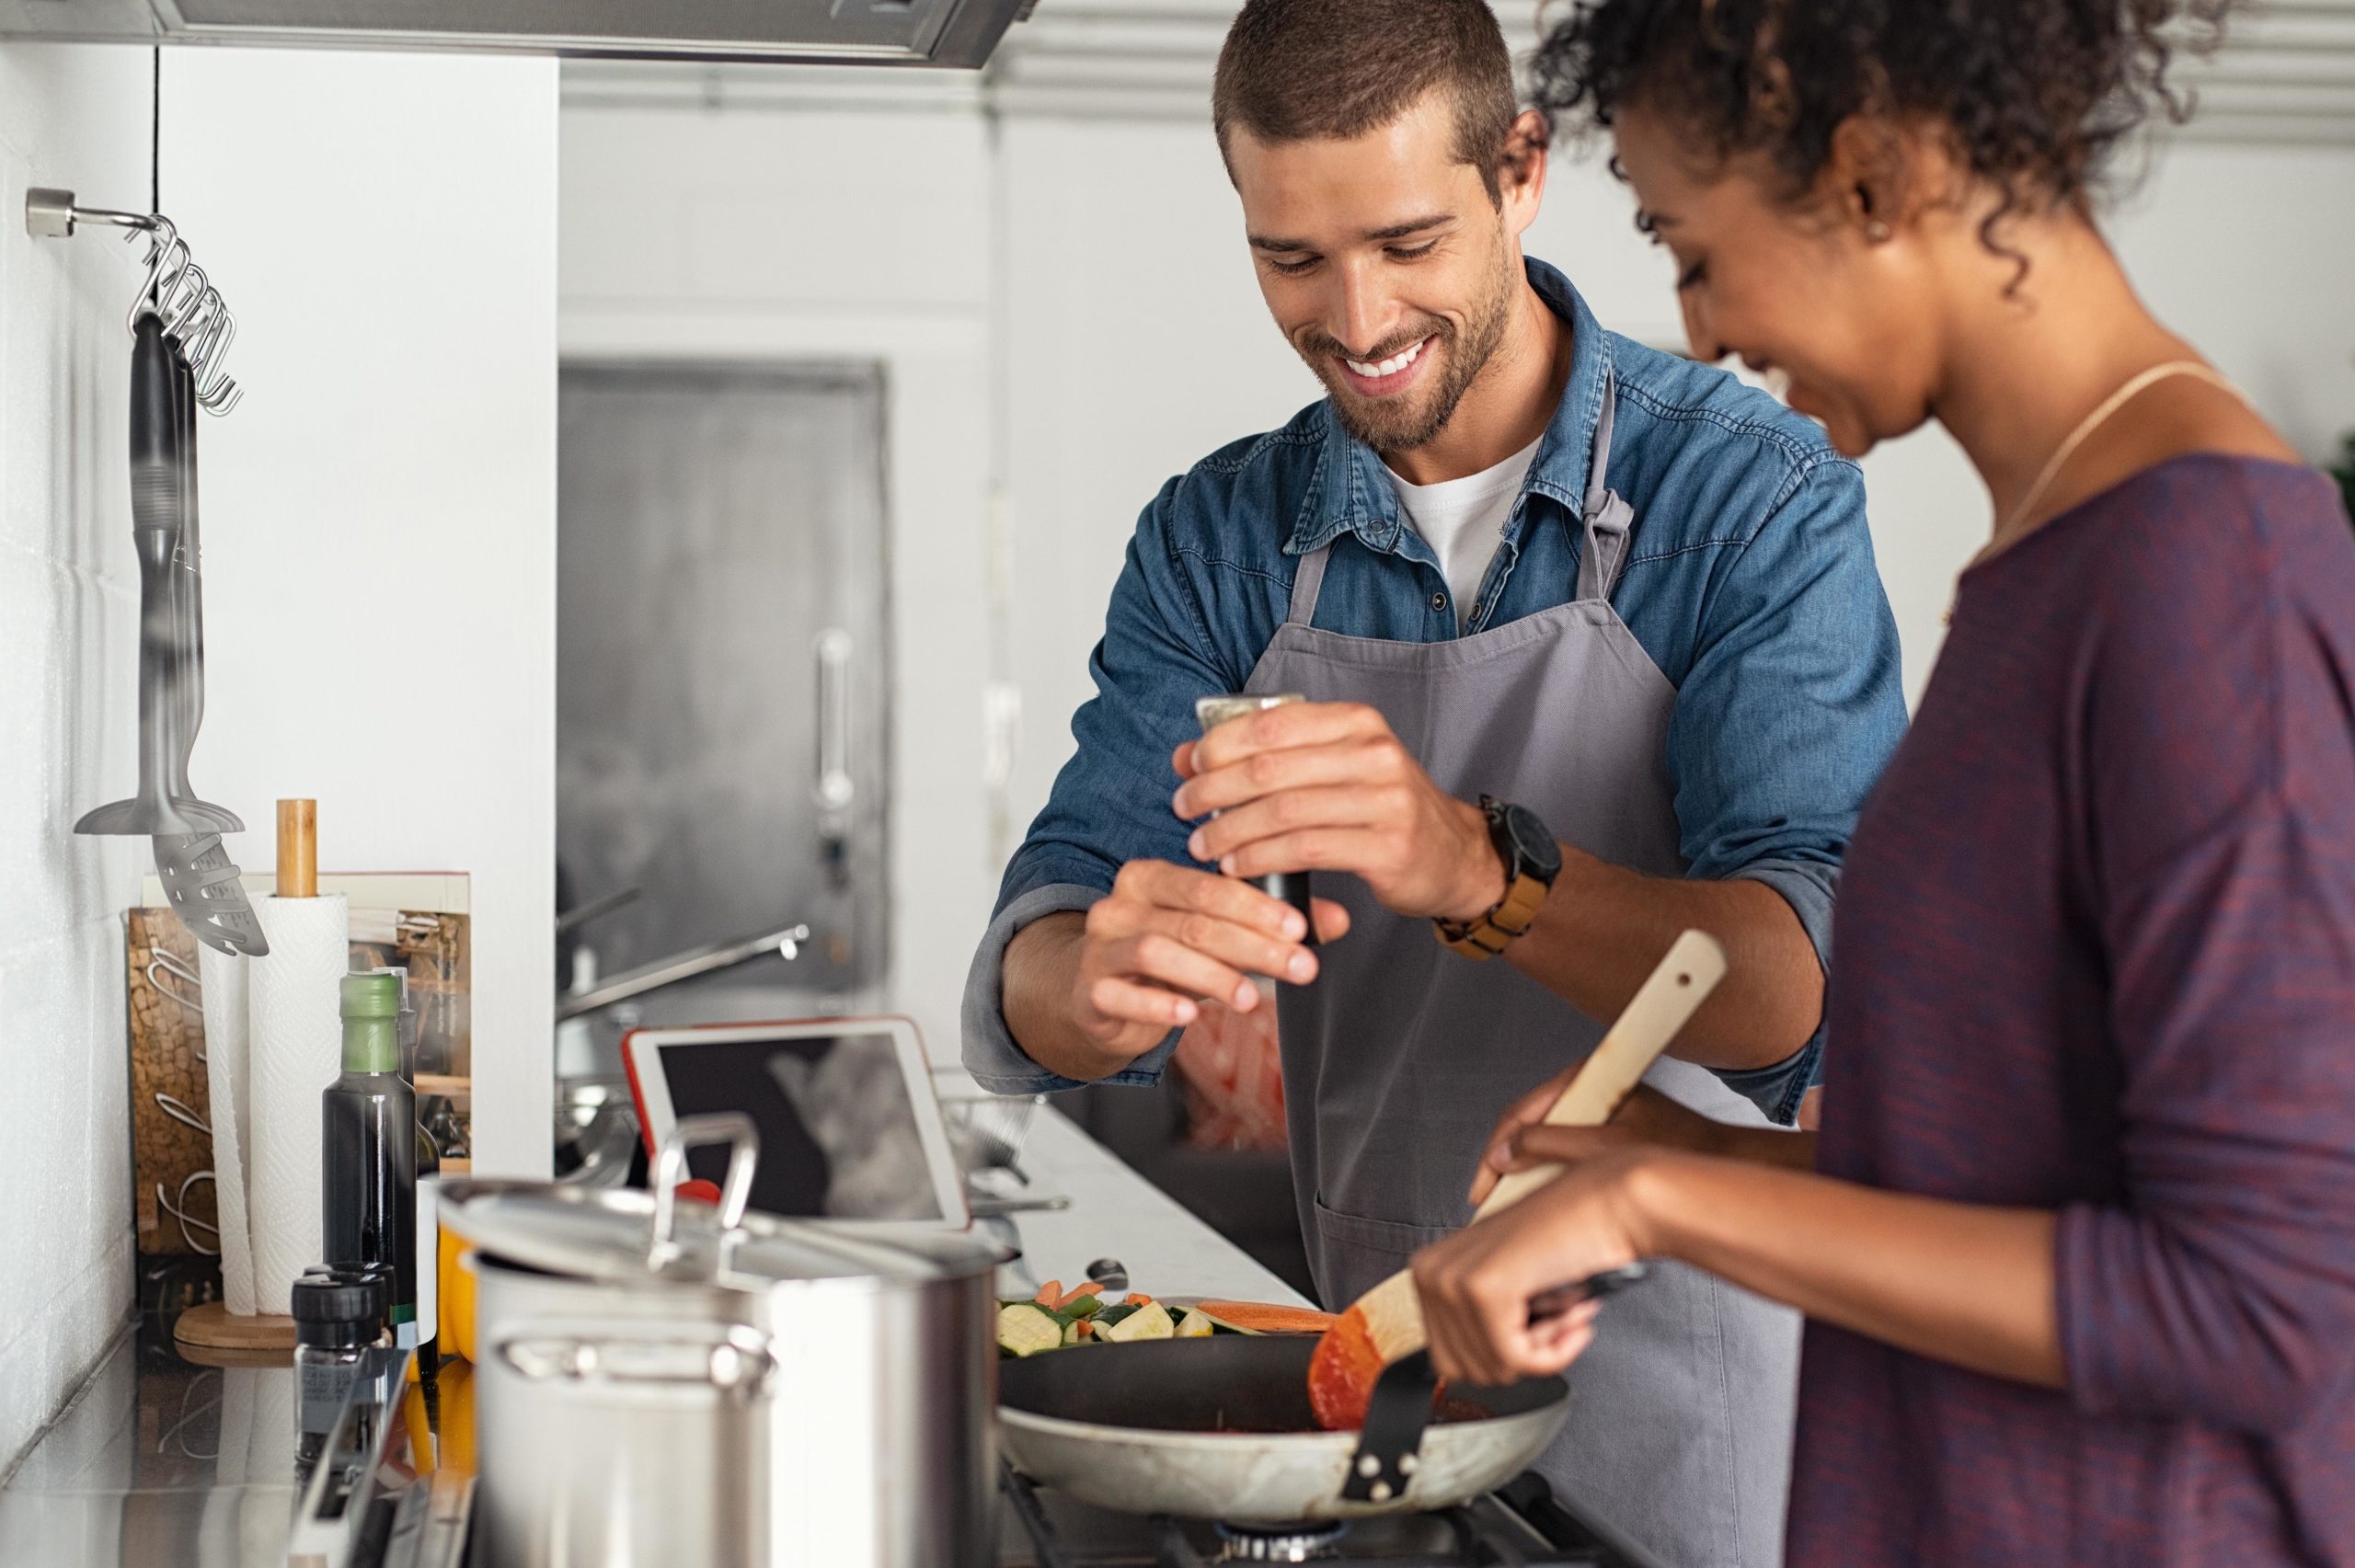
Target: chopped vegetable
[[1024, 1328], [1147, 1323], [1259, 1317], [1087, 1314]]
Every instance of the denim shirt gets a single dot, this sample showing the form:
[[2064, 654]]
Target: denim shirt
[[1749, 581]]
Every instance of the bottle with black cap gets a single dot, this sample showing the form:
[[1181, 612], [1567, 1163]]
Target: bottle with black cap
[[369, 1142], [339, 1315]]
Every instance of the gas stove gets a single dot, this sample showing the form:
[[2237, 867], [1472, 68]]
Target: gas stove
[[1520, 1524]]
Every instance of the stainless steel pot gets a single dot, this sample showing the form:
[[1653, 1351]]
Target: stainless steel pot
[[658, 1387]]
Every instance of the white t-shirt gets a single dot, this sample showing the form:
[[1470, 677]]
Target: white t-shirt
[[1463, 520]]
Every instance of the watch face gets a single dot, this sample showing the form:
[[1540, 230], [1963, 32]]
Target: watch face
[[1535, 842]]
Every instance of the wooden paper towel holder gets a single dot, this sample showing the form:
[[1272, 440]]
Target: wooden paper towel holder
[[213, 1327]]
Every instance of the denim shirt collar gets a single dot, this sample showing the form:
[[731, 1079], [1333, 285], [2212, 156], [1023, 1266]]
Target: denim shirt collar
[[1352, 488]]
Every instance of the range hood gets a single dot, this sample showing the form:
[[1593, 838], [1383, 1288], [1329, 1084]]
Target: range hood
[[865, 32]]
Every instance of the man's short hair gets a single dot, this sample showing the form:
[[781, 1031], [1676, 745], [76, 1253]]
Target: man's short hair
[[1303, 70]]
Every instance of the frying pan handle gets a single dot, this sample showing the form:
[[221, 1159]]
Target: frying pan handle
[[731, 1127]]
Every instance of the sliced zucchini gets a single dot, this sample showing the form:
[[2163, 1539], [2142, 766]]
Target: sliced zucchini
[[1024, 1328], [1195, 1325], [1147, 1323]]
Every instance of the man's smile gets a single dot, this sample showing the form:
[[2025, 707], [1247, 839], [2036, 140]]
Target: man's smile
[[1384, 378]]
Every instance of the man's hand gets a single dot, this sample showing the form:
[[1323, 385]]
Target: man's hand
[[1164, 939], [1327, 786]]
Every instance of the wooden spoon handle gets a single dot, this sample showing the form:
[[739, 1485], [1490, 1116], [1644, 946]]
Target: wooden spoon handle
[[1665, 1003]]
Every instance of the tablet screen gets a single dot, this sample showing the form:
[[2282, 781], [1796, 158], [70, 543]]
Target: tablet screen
[[838, 1130]]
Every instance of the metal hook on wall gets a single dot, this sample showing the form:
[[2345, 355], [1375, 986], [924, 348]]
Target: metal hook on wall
[[194, 313]]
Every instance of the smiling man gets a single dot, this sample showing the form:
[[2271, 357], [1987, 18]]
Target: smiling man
[[1595, 651]]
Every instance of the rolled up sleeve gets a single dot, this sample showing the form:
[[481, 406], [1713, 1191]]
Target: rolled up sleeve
[[993, 1056], [1110, 803], [1792, 706]]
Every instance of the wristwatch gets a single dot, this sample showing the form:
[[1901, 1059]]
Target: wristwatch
[[1531, 860]]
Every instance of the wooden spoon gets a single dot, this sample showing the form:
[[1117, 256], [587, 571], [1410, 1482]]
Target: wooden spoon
[[1386, 1323]]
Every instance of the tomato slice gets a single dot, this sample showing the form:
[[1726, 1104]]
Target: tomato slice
[[1342, 1372]]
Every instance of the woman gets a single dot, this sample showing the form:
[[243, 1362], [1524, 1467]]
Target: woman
[[2077, 1238]]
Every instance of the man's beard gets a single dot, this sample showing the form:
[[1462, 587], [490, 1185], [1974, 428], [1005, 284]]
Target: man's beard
[[1397, 424]]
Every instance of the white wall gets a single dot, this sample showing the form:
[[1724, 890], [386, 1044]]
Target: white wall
[[380, 510], [777, 236], [69, 608]]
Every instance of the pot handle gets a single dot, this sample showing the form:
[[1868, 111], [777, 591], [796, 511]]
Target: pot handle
[[731, 1127], [740, 1365]]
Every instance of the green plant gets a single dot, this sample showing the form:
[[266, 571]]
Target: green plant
[[2344, 471]]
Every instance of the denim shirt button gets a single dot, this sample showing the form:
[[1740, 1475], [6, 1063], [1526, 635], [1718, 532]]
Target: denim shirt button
[[1438, 602]]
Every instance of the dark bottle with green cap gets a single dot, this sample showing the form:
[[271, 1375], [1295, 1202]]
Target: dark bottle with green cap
[[369, 1138]]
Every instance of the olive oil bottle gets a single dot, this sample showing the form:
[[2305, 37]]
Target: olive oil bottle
[[369, 1138]]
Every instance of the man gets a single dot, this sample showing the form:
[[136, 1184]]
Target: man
[[1596, 652]]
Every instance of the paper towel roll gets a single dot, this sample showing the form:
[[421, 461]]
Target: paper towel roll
[[295, 1051], [226, 1036]]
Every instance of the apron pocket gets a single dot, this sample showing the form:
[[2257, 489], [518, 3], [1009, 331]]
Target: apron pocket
[[1351, 1254]]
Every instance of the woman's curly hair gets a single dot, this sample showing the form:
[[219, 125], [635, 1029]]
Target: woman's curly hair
[[2033, 95]]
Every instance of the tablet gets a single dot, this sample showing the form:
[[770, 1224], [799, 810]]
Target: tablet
[[850, 1129]]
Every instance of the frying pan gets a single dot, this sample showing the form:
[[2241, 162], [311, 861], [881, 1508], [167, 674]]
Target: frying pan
[[1221, 1428]]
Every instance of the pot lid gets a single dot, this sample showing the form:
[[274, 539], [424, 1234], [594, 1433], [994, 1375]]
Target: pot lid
[[608, 1234]]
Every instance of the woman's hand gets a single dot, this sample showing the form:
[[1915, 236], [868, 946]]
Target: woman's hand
[[1476, 1284], [1521, 1137]]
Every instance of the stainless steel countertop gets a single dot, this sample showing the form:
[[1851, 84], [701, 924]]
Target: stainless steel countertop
[[159, 1463]]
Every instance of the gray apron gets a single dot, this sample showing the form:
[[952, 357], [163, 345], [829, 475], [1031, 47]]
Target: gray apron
[[1400, 1060]]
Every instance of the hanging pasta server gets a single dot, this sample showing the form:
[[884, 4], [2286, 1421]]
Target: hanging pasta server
[[155, 492], [203, 883], [197, 874]]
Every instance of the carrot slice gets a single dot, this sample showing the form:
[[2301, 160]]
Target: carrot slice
[[1085, 1288], [1139, 1298], [1049, 1294], [1260, 1317]]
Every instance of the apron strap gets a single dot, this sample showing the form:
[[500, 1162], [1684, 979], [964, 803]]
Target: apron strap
[[1608, 520], [1307, 583]]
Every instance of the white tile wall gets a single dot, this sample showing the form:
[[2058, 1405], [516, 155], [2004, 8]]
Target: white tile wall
[[74, 116]]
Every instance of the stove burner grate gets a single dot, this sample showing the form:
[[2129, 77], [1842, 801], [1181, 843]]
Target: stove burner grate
[[1521, 1525], [1279, 1543]]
